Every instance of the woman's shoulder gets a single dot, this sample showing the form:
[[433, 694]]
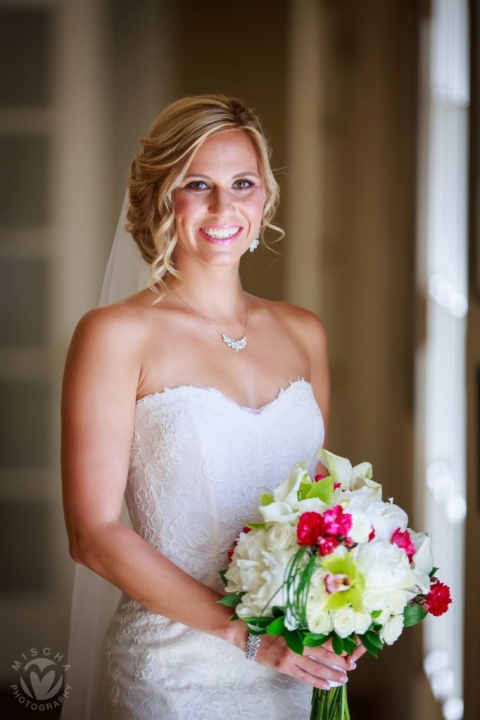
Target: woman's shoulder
[[122, 323], [303, 323]]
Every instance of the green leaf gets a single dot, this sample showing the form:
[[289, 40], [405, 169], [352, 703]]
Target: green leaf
[[231, 600], [374, 639], [413, 613], [266, 499], [294, 641], [314, 639], [277, 626], [277, 611], [372, 646], [349, 644], [337, 643], [261, 622], [433, 572], [376, 613], [255, 525], [222, 575]]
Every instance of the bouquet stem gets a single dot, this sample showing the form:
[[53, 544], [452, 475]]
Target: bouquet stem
[[330, 704]]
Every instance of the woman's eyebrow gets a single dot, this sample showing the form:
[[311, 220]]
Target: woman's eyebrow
[[237, 175]]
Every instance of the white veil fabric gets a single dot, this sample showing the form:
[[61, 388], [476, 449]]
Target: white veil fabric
[[94, 599]]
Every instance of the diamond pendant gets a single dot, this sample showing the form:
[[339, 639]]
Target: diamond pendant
[[237, 345]]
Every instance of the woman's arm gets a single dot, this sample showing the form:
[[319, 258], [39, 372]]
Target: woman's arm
[[102, 374]]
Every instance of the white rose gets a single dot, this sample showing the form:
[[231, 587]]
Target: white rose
[[344, 621], [281, 536], [392, 630], [386, 518], [362, 622], [361, 527], [374, 599], [396, 601], [319, 621], [318, 579]]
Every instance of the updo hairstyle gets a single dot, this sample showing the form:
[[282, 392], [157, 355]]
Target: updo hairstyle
[[161, 165]]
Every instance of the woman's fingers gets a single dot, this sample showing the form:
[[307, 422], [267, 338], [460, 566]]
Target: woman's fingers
[[322, 653], [317, 667], [358, 652], [322, 670]]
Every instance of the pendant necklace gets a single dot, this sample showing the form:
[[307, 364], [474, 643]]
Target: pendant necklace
[[236, 345]]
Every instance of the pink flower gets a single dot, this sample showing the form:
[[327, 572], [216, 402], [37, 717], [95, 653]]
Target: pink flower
[[372, 534], [320, 477], [337, 583], [404, 541], [337, 522], [438, 599], [310, 527], [327, 545]]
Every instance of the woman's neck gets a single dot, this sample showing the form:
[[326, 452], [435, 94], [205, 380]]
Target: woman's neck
[[215, 292]]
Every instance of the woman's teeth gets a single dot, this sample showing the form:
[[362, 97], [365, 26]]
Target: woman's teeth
[[221, 234]]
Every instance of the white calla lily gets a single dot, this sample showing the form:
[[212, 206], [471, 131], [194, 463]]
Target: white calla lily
[[287, 491], [339, 468], [422, 561], [362, 471], [278, 512]]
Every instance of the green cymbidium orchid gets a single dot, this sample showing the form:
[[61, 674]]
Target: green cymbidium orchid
[[344, 583]]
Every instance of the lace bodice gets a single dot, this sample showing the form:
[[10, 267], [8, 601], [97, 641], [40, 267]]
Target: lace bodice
[[198, 464]]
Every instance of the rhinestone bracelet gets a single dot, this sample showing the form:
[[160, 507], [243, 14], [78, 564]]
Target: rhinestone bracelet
[[252, 646]]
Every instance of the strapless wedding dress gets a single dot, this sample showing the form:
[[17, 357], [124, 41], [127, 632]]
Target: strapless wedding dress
[[198, 464]]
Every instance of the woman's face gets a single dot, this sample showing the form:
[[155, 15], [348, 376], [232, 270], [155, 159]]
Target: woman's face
[[219, 204]]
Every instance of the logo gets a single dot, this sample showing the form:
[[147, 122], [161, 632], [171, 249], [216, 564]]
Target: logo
[[41, 680]]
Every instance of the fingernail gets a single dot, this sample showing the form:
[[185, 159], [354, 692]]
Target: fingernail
[[353, 665], [344, 679]]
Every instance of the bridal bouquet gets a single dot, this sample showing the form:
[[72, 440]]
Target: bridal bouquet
[[332, 561]]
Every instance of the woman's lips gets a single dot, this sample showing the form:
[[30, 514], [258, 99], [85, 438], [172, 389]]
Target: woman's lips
[[220, 234]]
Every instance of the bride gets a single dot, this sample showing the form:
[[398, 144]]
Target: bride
[[190, 398]]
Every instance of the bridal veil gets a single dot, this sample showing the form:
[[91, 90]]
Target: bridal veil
[[94, 599]]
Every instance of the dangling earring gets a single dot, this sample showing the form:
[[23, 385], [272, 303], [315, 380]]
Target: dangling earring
[[255, 243]]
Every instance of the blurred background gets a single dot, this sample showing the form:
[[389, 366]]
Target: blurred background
[[371, 107]]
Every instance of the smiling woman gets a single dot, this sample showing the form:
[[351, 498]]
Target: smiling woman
[[191, 463]]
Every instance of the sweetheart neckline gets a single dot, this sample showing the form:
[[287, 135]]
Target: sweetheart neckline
[[219, 393]]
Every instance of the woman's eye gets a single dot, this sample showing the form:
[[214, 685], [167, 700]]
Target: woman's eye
[[243, 184], [197, 185]]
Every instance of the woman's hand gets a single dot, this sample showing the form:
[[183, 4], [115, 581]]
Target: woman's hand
[[316, 667]]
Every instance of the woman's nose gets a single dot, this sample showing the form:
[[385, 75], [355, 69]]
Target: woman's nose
[[220, 201]]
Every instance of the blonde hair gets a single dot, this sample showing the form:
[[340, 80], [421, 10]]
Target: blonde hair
[[161, 165]]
